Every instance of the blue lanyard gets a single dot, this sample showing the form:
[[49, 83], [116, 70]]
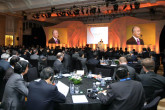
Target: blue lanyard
[[126, 79]]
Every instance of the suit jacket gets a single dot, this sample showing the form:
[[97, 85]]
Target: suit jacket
[[93, 61], [43, 96], [132, 41], [4, 64], [124, 95], [9, 72], [151, 82], [15, 90], [52, 57], [58, 66], [67, 61], [34, 57], [53, 41]]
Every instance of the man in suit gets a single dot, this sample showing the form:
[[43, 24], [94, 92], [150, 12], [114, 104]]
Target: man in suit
[[94, 61], [126, 94], [16, 88], [58, 65], [43, 95], [83, 60], [135, 39], [35, 56], [132, 73], [4, 61], [67, 61], [10, 70], [54, 39], [150, 80]]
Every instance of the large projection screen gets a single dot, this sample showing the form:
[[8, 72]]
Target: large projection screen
[[95, 34]]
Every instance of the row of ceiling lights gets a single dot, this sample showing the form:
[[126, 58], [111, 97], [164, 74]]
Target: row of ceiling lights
[[74, 11]]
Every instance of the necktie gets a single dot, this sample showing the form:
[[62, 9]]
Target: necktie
[[138, 42], [56, 41]]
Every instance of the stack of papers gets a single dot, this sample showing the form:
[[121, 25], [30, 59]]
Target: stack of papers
[[79, 99], [64, 89]]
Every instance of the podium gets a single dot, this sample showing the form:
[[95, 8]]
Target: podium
[[101, 46]]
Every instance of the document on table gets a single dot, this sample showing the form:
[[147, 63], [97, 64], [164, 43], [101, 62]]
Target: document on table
[[62, 88], [79, 99]]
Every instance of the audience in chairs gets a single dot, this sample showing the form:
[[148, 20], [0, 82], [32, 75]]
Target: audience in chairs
[[16, 88], [150, 80], [126, 94], [43, 95]]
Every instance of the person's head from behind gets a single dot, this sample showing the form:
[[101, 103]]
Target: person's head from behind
[[81, 54], [60, 56], [148, 64], [122, 60], [21, 67], [95, 55], [136, 32], [14, 52], [35, 51], [121, 72], [46, 74], [14, 60], [5, 56], [55, 34]]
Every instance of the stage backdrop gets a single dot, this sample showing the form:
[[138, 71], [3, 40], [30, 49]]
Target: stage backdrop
[[117, 33], [147, 32]]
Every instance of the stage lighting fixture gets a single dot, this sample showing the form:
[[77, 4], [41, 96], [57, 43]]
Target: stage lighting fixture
[[137, 5], [48, 15], [42, 15], [87, 11], [82, 10], [76, 12], [34, 16], [115, 7], [63, 13], [52, 9], [93, 10], [98, 11], [125, 6], [131, 6], [69, 13], [37, 16]]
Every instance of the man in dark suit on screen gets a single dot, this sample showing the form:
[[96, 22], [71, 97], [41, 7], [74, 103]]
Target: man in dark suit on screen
[[54, 39], [135, 39]]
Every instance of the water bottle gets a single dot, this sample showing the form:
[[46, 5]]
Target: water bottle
[[90, 74], [94, 89], [71, 88], [103, 82]]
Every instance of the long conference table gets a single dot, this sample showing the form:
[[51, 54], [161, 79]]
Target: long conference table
[[93, 104]]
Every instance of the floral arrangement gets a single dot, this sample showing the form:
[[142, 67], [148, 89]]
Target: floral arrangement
[[75, 79]]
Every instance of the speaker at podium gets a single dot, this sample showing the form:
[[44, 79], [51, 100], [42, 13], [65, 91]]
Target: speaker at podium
[[101, 45]]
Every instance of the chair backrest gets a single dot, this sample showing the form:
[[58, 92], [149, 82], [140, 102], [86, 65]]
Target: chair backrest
[[91, 68], [153, 104], [34, 63], [32, 74], [104, 72], [50, 63]]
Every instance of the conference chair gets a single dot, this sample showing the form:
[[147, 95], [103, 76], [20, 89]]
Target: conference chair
[[153, 104], [32, 74], [103, 71], [34, 63], [50, 63]]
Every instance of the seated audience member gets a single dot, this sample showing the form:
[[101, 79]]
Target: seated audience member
[[83, 60], [42, 63], [150, 80], [67, 61], [4, 61], [10, 70], [51, 56], [15, 53], [43, 95], [126, 94], [93, 60], [133, 57], [58, 65], [76, 54], [35, 56], [132, 73], [16, 88]]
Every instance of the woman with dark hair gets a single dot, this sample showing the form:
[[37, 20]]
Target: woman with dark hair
[[16, 88]]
